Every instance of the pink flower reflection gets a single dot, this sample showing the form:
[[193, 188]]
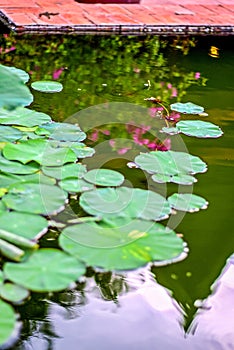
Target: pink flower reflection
[[57, 73], [123, 150]]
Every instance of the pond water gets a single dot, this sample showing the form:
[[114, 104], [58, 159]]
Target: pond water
[[132, 311]]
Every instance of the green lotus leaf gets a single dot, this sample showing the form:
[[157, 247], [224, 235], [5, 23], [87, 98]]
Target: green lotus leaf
[[19, 72], [82, 151], [15, 222], [75, 185], [77, 170], [199, 128], [7, 180], [125, 202], [121, 246], [39, 150], [23, 117], [170, 163], [13, 92], [9, 134], [104, 177], [14, 167], [2, 207], [47, 86], [8, 322], [46, 270], [170, 131], [181, 179], [1, 277], [187, 202], [187, 108], [13, 292], [61, 132], [35, 198]]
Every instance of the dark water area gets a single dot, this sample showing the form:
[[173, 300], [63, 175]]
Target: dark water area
[[135, 310]]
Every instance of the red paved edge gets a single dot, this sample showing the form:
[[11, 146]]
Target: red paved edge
[[158, 17]]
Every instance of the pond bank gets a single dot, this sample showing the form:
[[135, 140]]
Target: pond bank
[[215, 17]]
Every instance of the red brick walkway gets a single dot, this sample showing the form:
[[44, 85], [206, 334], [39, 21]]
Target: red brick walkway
[[160, 17]]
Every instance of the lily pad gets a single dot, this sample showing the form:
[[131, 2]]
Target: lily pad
[[13, 293], [171, 131], [13, 91], [74, 185], [62, 132], [104, 177], [14, 167], [125, 202], [82, 151], [39, 150], [46, 270], [35, 198], [187, 202], [181, 179], [171, 163], [7, 322], [47, 86], [19, 72], [121, 247], [77, 170], [15, 222], [9, 134], [23, 117], [6, 180], [198, 128], [187, 108]]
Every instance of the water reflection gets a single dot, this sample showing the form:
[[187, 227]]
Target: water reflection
[[130, 312]]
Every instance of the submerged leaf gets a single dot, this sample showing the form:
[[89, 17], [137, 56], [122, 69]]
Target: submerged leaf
[[47, 86], [120, 245], [187, 202], [125, 202], [46, 270], [199, 128]]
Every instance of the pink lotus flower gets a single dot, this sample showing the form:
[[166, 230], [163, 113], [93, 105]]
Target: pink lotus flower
[[154, 110], [94, 136], [105, 132], [173, 117], [197, 75], [174, 92], [169, 86], [56, 74]]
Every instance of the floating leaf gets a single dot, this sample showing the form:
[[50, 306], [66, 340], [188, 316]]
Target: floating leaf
[[24, 77], [47, 86], [199, 128], [1, 277], [104, 177], [77, 170], [170, 131], [62, 132], [6, 180], [17, 240], [13, 292], [82, 151], [74, 185], [9, 134], [23, 117], [174, 166], [7, 322], [35, 198], [121, 247], [15, 167], [15, 222], [187, 202], [187, 108], [13, 92], [125, 202], [39, 150], [10, 251], [46, 270]]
